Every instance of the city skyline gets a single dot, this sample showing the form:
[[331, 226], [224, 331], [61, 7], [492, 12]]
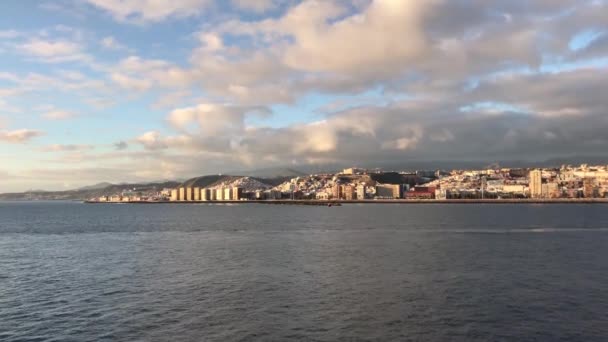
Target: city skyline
[[141, 90], [567, 183]]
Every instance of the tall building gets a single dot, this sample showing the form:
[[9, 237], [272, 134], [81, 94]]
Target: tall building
[[205, 195], [274, 194], [197, 194], [536, 184], [219, 194], [361, 192], [189, 196], [182, 194], [336, 191], [237, 193], [551, 189], [589, 187], [349, 192], [389, 191], [227, 194]]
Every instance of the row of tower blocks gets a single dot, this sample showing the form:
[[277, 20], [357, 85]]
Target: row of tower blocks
[[196, 194]]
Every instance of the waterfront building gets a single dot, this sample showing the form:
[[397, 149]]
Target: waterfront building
[[360, 192], [421, 192], [174, 195], [441, 194], [189, 196], [197, 194], [388, 191], [536, 188], [205, 194], [237, 193], [336, 191], [212, 195], [182, 194], [589, 188], [274, 194], [349, 192], [322, 195], [219, 194], [227, 194], [516, 189], [551, 190]]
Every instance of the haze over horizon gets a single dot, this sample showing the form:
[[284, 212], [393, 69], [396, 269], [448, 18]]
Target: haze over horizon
[[143, 90]]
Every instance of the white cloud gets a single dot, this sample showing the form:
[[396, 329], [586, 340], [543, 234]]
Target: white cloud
[[388, 37], [41, 48], [111, 43], [256, 6], [9, 34], [19, 135], [5, 107], [214, 119], [405, 69], [152, 141], [67, 148], [58, 115], [56, 51], [408, 142], [136, 73], [131, 83], [58, 81], [211, 41], [150, 10]]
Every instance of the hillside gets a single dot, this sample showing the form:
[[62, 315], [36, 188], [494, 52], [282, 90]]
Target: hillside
[[86, 192], [225, 181], [214, 181], [108, 189], [205, 181], [395, 178], [97, 186]]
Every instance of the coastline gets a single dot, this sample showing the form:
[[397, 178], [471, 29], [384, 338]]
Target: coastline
[[395, 201]]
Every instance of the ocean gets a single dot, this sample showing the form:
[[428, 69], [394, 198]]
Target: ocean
[[362, 272]]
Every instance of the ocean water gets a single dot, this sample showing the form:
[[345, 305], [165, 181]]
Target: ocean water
[[423, 272]]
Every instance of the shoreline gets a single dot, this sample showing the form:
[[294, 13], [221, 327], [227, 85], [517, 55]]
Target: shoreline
[[395, 201]]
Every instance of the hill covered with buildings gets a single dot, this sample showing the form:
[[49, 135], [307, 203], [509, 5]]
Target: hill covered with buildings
[[563, 182]]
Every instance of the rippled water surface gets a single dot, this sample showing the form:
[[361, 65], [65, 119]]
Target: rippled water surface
[[77, 272]]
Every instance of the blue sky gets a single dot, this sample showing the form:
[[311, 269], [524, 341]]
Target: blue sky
[[142, 90]]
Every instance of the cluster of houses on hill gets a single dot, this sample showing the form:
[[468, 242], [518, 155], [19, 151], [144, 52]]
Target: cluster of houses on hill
[[356, 184]]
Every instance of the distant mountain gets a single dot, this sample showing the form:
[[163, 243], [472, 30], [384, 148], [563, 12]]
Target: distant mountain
[[273, 172], [87, 193], [97, 186], [204, 181], [245, 182]]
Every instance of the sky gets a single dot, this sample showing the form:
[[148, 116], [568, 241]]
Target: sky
[[148, 90]]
